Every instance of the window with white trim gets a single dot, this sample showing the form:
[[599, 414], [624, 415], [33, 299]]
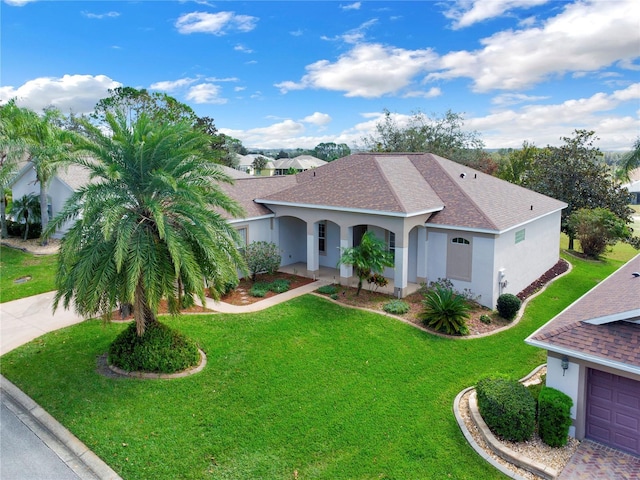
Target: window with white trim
[[520, 235], [391, 244], [322, 237]]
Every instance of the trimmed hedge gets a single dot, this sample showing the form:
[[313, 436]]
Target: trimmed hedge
[[554, 416], [508, 306], [507, 407], [160, 350]]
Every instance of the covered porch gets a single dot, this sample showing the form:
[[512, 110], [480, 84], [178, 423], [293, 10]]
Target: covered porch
[[332, 275]]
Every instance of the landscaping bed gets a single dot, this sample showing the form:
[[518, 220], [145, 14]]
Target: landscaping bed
[[240, 295]]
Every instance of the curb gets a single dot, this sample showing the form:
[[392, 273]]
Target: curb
[[82, 461]]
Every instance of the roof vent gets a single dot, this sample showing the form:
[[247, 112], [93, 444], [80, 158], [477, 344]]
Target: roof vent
[[462, 175], [636, 274]]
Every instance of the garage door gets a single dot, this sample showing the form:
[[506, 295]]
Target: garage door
[[613, 411]]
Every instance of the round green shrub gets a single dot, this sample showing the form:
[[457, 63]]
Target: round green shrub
[[507, 407], [554, 416], [334, 296], [397, 307], [485, 319], [508, 306], [160, 350], [259, 289], [328, 289]]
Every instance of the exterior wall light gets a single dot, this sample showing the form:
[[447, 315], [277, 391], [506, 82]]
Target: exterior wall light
[[564, 363]]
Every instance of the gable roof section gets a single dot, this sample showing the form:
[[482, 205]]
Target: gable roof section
[[407, 184], [387, 184], [244, 190], [601, 326]]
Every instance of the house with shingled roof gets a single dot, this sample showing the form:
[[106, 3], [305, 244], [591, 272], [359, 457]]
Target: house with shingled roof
[[593, 355], [440, 219]]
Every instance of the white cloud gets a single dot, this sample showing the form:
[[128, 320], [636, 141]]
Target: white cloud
[[514, 99], [242, 48], [171, 85], [467, 12], [70, 93], [580, 38], [100, 16], [218, 24], [355, 35], [544, 124], [431, 93], [18, 3], [206, 93], [318, 119], [351, 6], [368, 70]]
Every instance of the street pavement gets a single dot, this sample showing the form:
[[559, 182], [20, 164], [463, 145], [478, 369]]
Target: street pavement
[[33, 444]]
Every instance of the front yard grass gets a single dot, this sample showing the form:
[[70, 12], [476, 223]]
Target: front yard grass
[[15, 265], [306, 389]]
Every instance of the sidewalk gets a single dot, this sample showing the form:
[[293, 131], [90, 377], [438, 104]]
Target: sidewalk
[[33, 444]]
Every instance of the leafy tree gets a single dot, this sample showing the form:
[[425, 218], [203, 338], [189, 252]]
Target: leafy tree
[[596, 229], [631, 160], [258, 164], [132, 102], [149, 221], [370, 257], [518, 163], [282, 154], [575, 174], [443, 136], [12, 148], [331, 151], [27, 209]]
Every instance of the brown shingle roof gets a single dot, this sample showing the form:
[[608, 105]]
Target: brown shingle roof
[[611, 301], [413, 183], [245, 190]]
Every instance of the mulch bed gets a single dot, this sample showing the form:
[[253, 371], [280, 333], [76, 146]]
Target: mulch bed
[[240, 296]]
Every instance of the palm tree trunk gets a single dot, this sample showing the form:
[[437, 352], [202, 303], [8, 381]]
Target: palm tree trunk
[[142, 313], [44, 211], [3, 216]]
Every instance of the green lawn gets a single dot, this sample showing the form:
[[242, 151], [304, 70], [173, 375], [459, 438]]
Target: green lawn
[[306, 386], [15, 264]]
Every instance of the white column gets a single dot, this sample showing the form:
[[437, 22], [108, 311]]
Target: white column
[[421, 260], [400, 278], [346, 241], [312, 249]]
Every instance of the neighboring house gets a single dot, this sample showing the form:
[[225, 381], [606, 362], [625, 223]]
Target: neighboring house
[[439, 218], [593, 355], [64, 183], [245, 164], [634, 186], [59, 189], [301, 163]]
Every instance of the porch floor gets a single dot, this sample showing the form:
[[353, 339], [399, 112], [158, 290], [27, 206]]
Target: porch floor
[[332, 275]]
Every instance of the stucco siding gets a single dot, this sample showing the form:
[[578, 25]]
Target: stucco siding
[[525, 261], [292, 241]]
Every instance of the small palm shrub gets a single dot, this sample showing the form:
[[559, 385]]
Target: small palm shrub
[[396, 307], [259, 289], [554, 416], [507, 407], [446, 311], [159, 350], [328, 289], [508, 306], [280, 285]]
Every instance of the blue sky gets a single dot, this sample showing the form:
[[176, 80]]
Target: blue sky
[[298, 73]]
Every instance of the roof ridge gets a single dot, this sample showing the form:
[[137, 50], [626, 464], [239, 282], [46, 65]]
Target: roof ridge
[[388, 183], [437, 159]]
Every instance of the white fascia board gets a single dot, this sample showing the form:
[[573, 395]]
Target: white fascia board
[[631, 316], [250, 219], [623, 367], [348, 209], [532, 220]]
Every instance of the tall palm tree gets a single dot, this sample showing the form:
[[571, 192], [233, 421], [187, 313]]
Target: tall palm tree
[[26, 208], [631, 160], [50, 148], [12, 148], [151, 219]]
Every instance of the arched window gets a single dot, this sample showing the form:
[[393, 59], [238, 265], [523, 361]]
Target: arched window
[[460, 240]]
